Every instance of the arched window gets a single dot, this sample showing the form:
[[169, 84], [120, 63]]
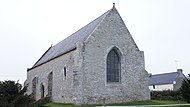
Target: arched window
[[113, 66], [42, 90], [50, 84]]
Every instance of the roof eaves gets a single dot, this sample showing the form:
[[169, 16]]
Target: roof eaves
[[160, 84], [42, 55], [50, 59]]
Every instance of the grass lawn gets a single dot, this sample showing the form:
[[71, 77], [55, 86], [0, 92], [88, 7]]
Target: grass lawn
[[60, 105], [151, 102]]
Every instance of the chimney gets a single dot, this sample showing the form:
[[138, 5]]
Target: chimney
[[149, 74], [180, 71]]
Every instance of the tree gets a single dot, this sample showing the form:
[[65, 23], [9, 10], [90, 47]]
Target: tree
[[12, 94], [185, 90]]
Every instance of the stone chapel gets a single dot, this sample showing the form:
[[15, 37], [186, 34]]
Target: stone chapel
[[98, 63]]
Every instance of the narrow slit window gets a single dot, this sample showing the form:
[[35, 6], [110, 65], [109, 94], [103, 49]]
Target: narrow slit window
[[65, 72], [50, 84], [153, 86]]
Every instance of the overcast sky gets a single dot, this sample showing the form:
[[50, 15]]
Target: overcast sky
[[161, 28]]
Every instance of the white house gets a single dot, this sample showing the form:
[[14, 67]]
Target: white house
[[166, 81]]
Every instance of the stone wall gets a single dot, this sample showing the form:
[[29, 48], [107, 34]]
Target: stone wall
[[61, 90], [112, 32], [179, 82], [85, 81]]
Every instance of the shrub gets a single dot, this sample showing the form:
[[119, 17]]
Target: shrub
[[165, 95], [12, 94], [41, 103], [185, 90]]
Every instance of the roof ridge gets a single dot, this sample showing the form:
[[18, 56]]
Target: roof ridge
[[105, 14], [166, 78], [86, 25], [164, 73], [69, 43]]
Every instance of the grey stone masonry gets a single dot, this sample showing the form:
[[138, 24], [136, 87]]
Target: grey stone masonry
[[110, 33], [80, 75]]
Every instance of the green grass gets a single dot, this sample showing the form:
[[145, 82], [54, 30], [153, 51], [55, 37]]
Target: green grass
[[60, 105], [168, 102], [150, 102]]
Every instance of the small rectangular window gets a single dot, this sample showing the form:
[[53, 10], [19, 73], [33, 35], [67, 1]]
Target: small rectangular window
[[153, 86], [65, 72]]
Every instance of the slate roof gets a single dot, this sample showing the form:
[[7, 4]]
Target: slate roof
[[69, 43], [166, 78]]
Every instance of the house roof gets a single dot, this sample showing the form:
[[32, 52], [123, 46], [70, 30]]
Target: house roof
[[69, 43], [166, 78]]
